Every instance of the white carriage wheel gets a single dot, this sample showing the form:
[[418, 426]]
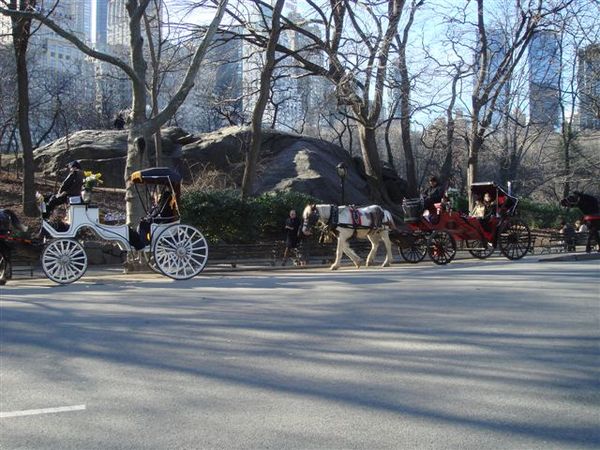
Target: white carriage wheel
[[180, 252], [64, 260]]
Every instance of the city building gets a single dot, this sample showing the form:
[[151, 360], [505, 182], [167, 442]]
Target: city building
[[297, 98], [588, 86], [544, 76]]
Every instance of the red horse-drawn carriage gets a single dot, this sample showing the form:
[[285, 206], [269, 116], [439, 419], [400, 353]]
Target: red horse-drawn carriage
[[438, 232]]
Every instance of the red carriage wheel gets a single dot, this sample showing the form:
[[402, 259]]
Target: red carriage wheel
[[416, 249], [442, 247], [514, 238], [479, 248]]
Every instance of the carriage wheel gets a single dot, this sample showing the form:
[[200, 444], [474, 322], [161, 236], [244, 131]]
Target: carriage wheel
[[151, 261], [5, 268], [416, 251], [479, 248], [180, 252], [514, 239], [64, 261], [442, 247]]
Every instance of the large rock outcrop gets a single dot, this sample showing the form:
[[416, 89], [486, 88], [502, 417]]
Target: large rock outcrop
[[287, 161], [101, 151]]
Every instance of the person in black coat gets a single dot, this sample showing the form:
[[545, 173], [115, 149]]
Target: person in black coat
[[70, 187], [161, 212], [292, 225], [433, 194]]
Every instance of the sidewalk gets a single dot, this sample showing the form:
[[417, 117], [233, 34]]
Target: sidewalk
[[571, 257]]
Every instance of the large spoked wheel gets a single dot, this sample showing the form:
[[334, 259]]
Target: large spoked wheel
[[149, 258], [514, 239], [64, 261], [479, 248], [442, 247], [416, 251], [180, 252], [5, 268]]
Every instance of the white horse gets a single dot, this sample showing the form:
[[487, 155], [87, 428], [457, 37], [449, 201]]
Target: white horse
[[371, 222]]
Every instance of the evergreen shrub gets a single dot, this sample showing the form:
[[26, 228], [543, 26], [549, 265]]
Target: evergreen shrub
[[223, 217]]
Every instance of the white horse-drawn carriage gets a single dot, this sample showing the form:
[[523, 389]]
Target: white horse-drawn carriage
[[174, 249]]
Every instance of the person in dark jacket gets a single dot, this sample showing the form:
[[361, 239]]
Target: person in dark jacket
[[292, 225], [433, 194], [70, 187], [162, 211], [119, 122]]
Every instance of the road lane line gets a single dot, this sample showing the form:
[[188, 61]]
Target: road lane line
[[33, 412]]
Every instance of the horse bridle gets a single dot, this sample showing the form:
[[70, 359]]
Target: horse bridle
[[309, 222]]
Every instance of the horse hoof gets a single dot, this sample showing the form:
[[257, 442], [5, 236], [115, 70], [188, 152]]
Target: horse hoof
[[333, 268]]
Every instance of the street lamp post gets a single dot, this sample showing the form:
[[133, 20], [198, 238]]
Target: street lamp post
[[342, 172]]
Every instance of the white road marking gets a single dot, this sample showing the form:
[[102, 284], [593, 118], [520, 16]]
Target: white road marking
[[33, 412]]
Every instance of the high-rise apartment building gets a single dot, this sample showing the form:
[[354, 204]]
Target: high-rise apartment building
[[99, 22], [588, 86], [544, 75], [296, 98]]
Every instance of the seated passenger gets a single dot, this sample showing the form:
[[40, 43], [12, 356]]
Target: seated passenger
[[478, 210], [488, 205], [160, 212]]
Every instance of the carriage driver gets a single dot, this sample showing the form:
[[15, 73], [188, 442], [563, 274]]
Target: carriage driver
[[433, 194], [71, 187]]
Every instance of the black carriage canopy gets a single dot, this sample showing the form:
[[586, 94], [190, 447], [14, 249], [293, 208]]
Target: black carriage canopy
[[159, 176], [504, 201]]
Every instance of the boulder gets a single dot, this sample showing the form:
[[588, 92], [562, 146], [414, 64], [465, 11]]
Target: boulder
[[287, 161], [103, 151]]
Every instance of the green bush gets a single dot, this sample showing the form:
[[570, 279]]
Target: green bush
[[223, 217], [545, 215]]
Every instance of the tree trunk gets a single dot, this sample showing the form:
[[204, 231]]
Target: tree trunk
[[409, 158], [472, 163], [446, 170], [261, 103], [21, 28], [567, 167], [370, 154], [388, 144]]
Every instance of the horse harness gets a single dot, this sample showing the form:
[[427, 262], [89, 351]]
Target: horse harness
[[332, 224]]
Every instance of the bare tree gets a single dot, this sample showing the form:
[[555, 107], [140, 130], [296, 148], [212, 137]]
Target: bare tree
[[142, 127], [496, 65], [261, 103], [21, 32], [356, 45]]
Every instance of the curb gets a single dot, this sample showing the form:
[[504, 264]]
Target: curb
[[573, 257]]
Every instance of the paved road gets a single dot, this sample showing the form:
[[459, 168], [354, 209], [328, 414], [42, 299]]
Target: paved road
[[473, 355]]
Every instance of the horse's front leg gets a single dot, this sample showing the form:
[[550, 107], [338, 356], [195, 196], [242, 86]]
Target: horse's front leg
[[374, 240], [338, 254], [385, 236]]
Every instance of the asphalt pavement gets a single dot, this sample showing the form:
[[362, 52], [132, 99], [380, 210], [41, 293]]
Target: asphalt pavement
[[473, 355]]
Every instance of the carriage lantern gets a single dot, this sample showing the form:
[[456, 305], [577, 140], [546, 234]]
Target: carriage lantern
[[342, 171]]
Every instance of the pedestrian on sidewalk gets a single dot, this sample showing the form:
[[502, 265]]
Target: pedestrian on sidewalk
[[292, 225]]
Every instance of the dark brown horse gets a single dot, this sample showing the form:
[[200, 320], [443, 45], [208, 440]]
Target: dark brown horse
[[590, 207]]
